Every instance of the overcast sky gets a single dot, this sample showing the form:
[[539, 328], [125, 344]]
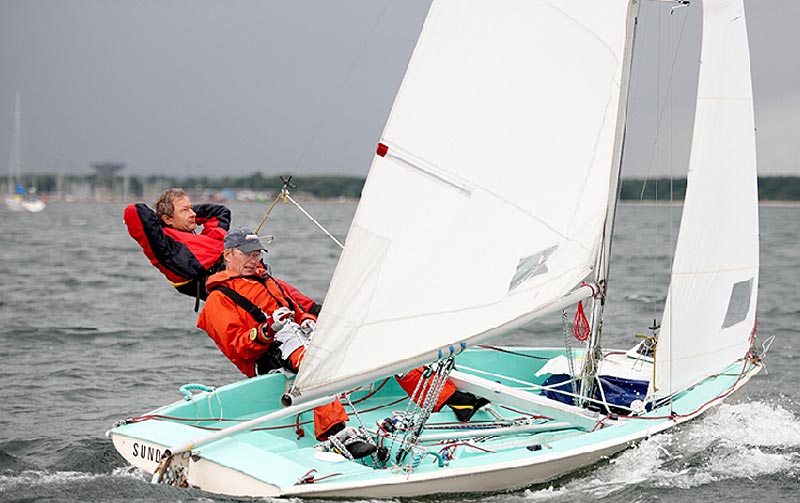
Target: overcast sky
[[212, 88]]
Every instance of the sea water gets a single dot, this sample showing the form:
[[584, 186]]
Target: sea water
[[91, 333]]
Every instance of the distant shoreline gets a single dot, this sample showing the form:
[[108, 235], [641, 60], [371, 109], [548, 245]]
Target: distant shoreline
[[652, 202], [781, 190]]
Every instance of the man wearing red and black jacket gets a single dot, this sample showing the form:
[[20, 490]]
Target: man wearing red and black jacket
[[168, 239]]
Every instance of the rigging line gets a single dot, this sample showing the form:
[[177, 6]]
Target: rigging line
[[526, 385], [271, 206], [307, 214], [745, 370], [671, 248], [660, 109], [338, 92], [515, 353]]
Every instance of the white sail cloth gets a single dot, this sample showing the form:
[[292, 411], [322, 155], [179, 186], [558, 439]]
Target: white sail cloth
[[502, 144], [711, 304]]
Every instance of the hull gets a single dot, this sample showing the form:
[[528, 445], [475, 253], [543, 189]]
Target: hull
[[19, 204], [33, 206], [270, 459], [14, 204]]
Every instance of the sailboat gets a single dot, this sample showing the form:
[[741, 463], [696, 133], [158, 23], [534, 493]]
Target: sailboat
[[490, 203], [19, 198]]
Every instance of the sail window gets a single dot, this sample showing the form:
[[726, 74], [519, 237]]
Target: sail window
[[739, 304], [530, 266]]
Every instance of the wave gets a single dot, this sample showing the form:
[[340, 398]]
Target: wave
[[646, 299], [736, 441], [122, 485]]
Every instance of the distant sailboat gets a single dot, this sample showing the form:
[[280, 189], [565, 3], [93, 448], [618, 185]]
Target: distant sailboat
[[490, 203], [19, 198]]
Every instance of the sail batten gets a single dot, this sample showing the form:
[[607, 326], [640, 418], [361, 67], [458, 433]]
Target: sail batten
[[491, 197]]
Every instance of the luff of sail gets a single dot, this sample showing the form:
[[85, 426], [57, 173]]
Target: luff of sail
[[491, 201], [711, 305]]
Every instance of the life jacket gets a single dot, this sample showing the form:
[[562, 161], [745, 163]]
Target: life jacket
[[325, 416], [226, 325], [272, 359]]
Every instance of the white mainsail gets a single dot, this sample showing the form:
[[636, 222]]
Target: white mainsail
[[503, 147], [711, 305]]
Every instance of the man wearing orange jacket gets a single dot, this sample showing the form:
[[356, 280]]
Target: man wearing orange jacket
[[260, 327]]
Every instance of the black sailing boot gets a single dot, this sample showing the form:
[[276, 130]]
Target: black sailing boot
[[356, 444], [465, 404]]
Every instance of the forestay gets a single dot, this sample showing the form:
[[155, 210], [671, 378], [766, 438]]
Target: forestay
[[503, 145], [711, 305]]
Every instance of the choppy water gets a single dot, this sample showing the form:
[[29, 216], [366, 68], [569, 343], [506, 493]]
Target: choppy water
[[90, 333]]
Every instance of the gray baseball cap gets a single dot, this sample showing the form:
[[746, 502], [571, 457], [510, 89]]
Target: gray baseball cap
[[246, 240]]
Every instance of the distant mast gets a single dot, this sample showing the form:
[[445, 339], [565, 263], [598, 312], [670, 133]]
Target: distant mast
[[15, 155]]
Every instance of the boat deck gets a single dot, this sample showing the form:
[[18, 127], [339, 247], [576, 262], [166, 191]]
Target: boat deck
[[519, 427]]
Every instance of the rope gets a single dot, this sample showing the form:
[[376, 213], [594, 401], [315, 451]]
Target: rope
[[284, 194], [342, 84], [568, 352], [362, 430], [436, 375], [510, 352], [271, 206], [727, 392], [307, 214], [580, 325]]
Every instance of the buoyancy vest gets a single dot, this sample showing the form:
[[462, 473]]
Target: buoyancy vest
[[272, 358], [325, 416], [276, 296]]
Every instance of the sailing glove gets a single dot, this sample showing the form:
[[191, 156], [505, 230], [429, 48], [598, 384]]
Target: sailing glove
[[308, 326], [279, 318], [266, 337]]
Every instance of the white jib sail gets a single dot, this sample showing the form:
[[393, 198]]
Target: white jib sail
[[490, 202], [711, 305]]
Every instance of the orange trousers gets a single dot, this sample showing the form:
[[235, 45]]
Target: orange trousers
[[325, 416], [409, 383]]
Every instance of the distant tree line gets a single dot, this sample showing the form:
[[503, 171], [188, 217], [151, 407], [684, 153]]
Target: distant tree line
[[323, 186], [770, 188]]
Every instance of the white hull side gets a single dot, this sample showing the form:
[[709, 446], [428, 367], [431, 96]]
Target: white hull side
[[34, 206], [14, 204], [139, 453], [18, 204], [461, 481]]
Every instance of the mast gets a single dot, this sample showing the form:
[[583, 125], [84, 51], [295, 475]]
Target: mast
[[15, 155], [594, 350]]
